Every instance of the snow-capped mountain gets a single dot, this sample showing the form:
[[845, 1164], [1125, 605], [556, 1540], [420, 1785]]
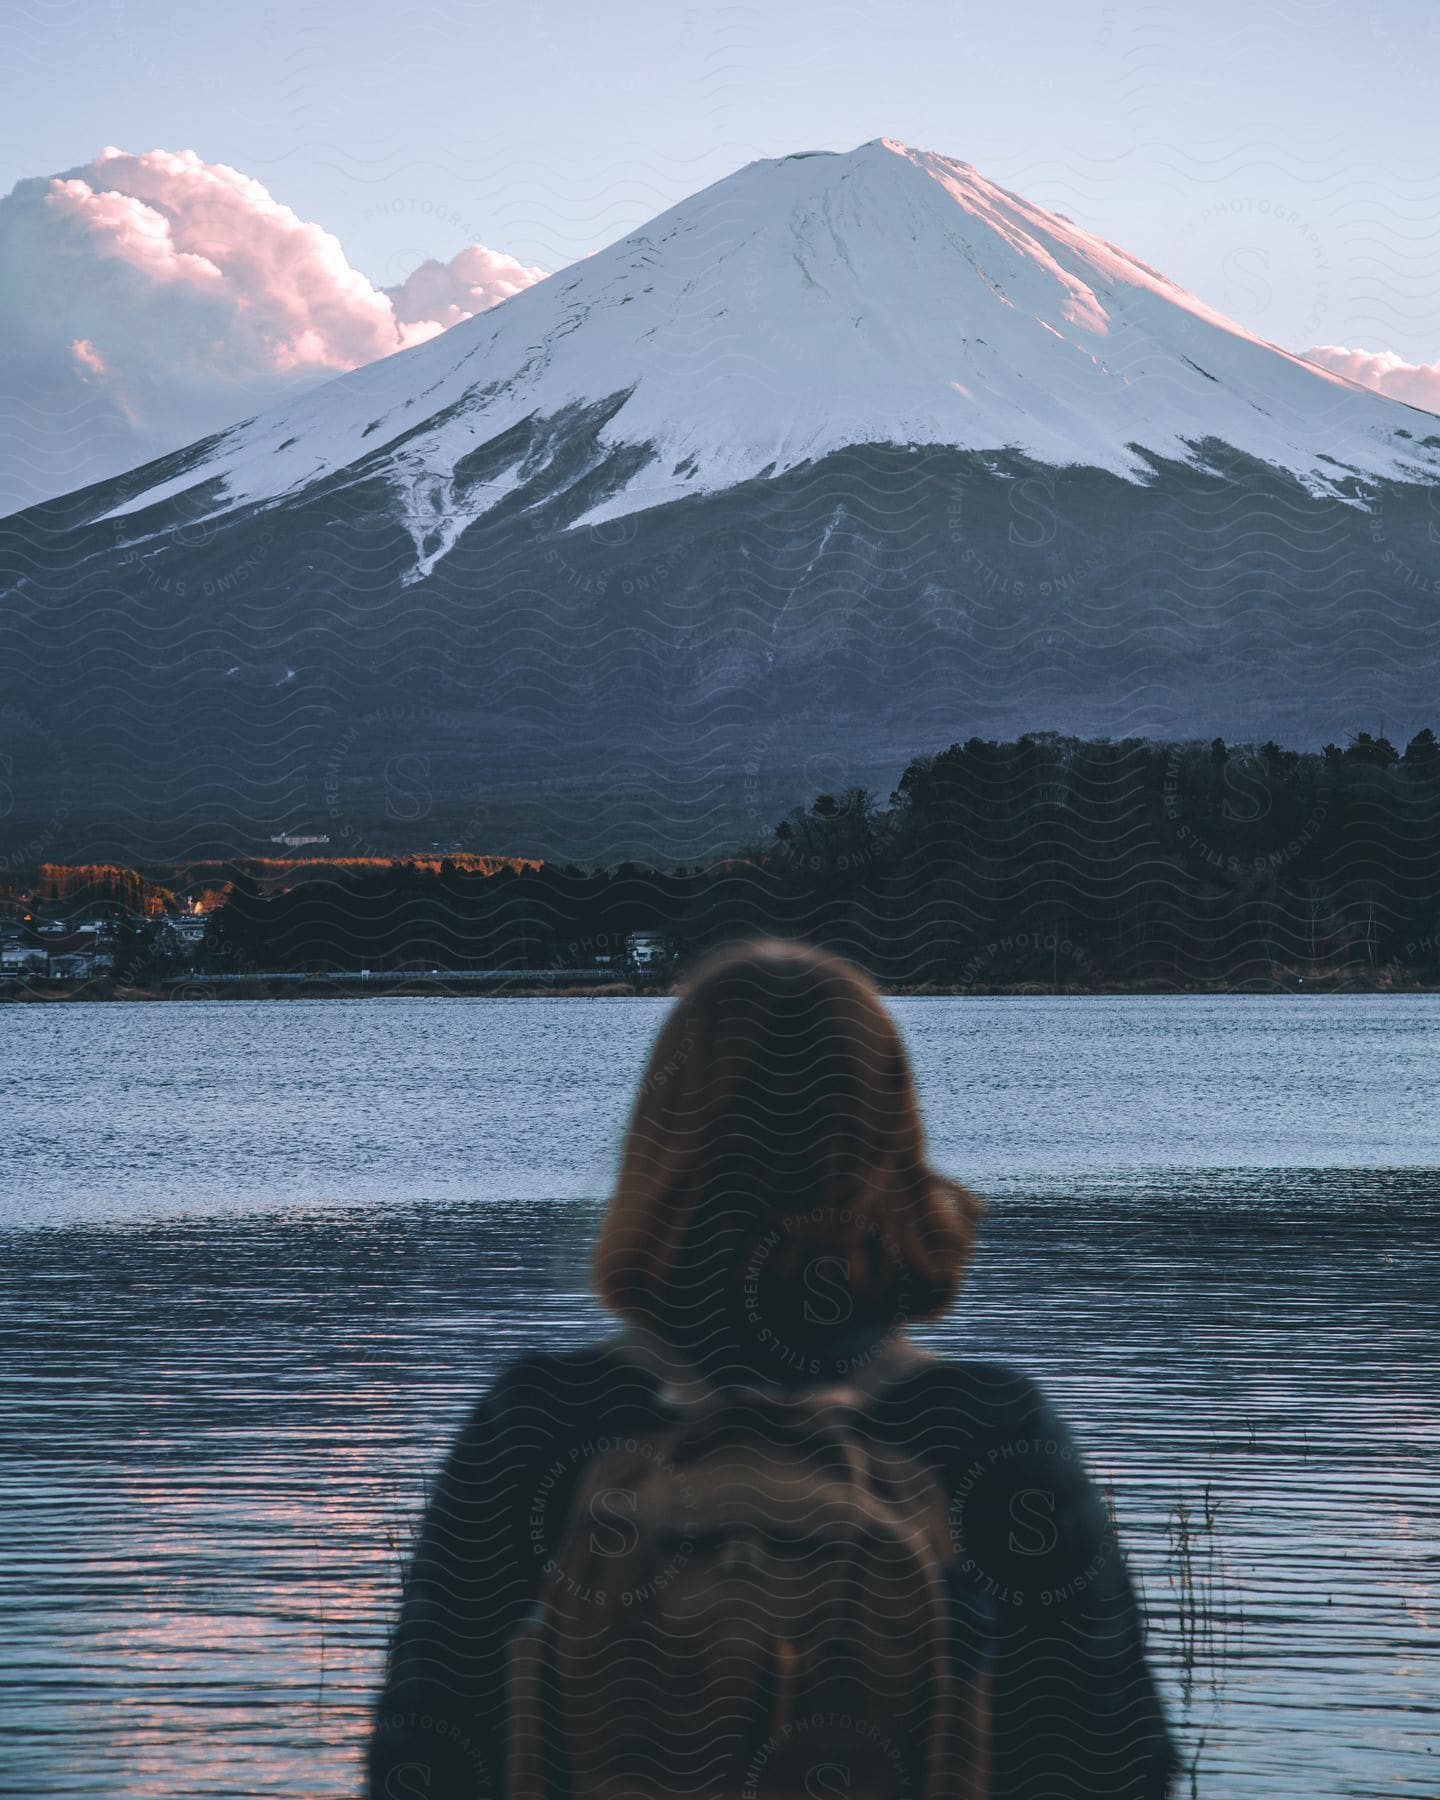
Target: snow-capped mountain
[[804, 306], [845, 456]]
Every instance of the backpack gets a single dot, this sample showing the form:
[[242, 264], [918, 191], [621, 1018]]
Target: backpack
[[751, 1602]]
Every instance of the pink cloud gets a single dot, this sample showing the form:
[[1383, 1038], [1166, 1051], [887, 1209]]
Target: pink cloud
[[147, 300], [88, 357], [121, 226], [1417, 384], [471, 282], [292, 298]]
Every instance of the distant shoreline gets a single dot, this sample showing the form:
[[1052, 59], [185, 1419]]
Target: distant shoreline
[[461, 986]]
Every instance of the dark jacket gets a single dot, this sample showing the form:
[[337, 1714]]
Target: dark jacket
[[1074, 1710]]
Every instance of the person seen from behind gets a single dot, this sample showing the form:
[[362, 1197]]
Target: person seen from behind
[[757, 1543]]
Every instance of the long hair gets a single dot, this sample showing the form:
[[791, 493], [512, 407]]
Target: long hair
[[774, 1173]]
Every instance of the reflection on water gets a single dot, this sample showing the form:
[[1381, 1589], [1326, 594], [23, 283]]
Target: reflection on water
[[216, 1435], [230, 1361]]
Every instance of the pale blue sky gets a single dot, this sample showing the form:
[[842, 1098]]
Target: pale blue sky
[[1280, 159]]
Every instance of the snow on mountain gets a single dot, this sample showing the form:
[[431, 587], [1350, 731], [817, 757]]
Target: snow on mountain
[[941, 464], [806, 305]]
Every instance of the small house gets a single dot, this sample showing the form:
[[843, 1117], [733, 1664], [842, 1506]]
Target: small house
[[647, 950], [20, 955], [74, 955], [188, 927]]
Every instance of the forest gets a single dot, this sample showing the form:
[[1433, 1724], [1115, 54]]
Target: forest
[[1050, 860]]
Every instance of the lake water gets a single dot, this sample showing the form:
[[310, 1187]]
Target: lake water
[[259, 1257]]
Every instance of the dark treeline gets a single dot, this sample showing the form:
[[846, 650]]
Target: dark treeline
[[1054, 860]]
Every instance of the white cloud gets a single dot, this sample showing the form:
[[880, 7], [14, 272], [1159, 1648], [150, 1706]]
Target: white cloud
[[146, 301], [1417, 384]]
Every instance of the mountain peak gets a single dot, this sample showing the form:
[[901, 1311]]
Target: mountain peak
[[901, 456], [811, 303], [889, 146]]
